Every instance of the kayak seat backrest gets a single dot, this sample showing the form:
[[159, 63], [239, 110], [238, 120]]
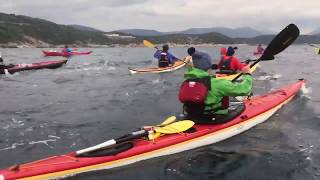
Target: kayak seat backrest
[[219, 119]]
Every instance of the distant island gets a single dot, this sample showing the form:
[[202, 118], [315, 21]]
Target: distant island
[[24, 31]]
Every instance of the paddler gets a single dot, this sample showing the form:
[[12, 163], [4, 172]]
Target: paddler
[[205, 97], [259, 49], [66, 50], [200, 59], [164, 57], [228, 63]]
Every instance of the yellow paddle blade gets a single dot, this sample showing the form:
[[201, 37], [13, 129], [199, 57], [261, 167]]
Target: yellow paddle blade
[[317, 50], [153, 136], [176, 127], [148, 44], [169, 120]]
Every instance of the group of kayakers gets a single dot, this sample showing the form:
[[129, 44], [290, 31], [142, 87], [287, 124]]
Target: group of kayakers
[[204, 96]]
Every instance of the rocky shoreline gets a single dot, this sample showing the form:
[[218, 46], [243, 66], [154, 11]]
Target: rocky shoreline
[[131, 45]]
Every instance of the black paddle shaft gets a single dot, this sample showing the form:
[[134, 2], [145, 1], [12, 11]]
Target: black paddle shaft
[[279, 43]]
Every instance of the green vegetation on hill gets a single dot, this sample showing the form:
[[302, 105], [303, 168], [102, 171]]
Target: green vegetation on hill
[[18, 29]]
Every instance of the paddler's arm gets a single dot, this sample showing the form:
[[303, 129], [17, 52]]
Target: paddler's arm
[[157, 54], [172, 58], [228, 88]]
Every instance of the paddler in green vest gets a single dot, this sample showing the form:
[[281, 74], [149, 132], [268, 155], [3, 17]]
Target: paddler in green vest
[[215, 100]]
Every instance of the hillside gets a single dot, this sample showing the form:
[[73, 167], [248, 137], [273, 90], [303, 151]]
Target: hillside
[[24, 31], [38, 32], [215, 38], [243, 32]]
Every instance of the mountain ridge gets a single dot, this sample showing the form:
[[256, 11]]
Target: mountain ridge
[[25, 31]]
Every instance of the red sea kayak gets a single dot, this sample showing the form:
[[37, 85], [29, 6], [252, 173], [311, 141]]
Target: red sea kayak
[[256, 110], [56, 53], [38, 65]]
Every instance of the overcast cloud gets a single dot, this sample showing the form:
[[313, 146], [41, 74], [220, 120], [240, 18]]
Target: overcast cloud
[[171, 15]]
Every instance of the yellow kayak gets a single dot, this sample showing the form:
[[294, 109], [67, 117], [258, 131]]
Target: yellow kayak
[[317, 50], [177, 65], [230, 77]]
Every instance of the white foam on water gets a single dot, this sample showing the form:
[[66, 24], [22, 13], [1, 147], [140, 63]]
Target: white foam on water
[[46, 141], [13, 146], [42, 142], [268, 77], [111, 68], [156, 81]]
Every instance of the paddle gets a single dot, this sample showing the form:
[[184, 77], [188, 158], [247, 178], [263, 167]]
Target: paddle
[[254, 60], [286, 37], [172, 128], [149, 44], [167, 121]]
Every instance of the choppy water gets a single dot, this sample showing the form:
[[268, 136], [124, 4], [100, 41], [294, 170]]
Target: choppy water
[[94, 98]]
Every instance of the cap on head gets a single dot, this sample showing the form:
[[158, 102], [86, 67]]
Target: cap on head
[[165, 47], [191, 50], [230, 51]]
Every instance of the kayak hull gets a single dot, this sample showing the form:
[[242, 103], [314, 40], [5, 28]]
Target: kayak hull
[[33, 66], [177, 65], [56, 53], [230, 77], [258, 109]]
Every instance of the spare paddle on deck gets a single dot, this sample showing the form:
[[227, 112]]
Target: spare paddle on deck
[[176, 127], [286, 37]]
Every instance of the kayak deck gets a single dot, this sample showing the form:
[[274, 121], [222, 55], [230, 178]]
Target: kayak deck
[[258, 109], [177, 65]]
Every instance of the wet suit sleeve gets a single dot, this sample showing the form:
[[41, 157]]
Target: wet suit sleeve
[[157, 54], [172, 58], [227, 88]]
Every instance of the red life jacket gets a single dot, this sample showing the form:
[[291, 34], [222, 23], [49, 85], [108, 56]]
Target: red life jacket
[[225, 66], [193, 94]]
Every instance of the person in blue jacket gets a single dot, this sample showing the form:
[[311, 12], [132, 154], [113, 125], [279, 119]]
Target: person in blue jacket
[[201, 60], [164, 57]]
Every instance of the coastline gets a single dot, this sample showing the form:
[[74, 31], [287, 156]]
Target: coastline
[[130, 45]]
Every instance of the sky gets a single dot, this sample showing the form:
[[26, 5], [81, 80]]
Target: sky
[[172, 15]]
